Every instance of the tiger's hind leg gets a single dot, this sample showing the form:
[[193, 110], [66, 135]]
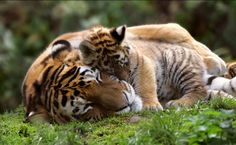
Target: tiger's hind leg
[[192, 89]]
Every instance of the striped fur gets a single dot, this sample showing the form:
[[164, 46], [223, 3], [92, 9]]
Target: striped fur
[[61, 89], [175, 34], [160, 72], [231, 70]]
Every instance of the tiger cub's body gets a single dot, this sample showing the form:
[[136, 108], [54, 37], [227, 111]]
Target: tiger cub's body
[[175, 34], [175, 74]]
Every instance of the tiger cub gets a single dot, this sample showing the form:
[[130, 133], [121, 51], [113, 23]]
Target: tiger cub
[[161, 73], [65, 89]]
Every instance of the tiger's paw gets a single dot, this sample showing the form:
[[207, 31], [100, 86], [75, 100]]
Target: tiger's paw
[[153, 106]]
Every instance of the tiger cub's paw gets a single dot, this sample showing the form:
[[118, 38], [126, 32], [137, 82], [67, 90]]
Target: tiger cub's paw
[[178, 103], [153, 106], [173, 103]]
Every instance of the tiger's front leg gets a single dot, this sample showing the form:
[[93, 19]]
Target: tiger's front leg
[[146, 85]]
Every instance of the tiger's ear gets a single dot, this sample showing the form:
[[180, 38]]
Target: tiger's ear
[[118, 33], [60, 49]]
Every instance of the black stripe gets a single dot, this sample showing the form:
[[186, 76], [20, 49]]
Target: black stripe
[[122, 108], [67, 74], [46, 73], [52, 76], [187, 76], [181, 68], [189, 87], [66, 46], [231, 86], [63, 101], [87, 105], [48, 99], [232, 72], [57, 73], [181, 74], [73, 77], [63, 42], [37, 88], [174, 72], [173, 63], [210, 79], [51, 96], [83, 73], [75, 110], [56, 104], [126, 97], [163, 65]]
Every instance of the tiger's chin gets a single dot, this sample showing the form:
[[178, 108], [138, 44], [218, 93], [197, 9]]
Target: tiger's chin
[[135, 106]]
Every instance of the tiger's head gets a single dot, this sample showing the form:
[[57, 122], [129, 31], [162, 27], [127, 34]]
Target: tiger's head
[[104, 48], [61, 88]]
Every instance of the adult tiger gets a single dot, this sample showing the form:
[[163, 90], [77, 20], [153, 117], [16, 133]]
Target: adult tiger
[[173, 73], [65, 89]]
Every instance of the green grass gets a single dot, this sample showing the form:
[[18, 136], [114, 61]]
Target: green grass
[[205, 123]]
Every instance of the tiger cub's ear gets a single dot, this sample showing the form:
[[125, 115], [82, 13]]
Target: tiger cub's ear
[[88, 52], [60, 49], [118, 33]]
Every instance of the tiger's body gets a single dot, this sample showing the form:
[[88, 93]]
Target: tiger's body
[[160, 72]]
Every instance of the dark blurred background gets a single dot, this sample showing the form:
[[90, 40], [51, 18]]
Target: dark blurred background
[[26, 28]]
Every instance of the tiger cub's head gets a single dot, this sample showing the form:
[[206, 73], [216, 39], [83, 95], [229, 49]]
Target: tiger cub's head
[[104, 48]]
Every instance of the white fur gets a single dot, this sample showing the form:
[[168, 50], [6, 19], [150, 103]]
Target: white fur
[[119, 30], [56, 47]]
